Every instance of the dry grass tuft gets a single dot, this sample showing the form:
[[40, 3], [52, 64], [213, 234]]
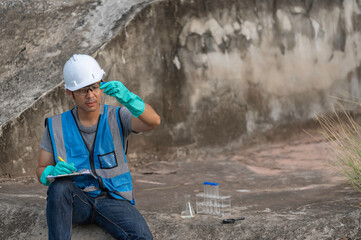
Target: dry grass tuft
[[344, 135]]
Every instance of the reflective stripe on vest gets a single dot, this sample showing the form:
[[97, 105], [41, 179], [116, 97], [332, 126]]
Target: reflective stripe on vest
[[108, 153]]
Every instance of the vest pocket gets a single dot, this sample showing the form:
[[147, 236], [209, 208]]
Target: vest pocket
[[108, 160]]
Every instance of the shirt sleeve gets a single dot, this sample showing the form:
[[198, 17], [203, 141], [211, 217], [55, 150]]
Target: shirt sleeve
[[46, 142], [126, 119]]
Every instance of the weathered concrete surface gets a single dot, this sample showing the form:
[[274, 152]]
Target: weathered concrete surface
[[216, 71], [37, 38], [284, 189]]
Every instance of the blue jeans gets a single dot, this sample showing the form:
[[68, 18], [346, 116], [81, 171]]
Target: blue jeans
[[67, 204]]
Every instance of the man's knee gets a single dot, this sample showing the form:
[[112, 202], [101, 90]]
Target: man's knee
[[147, 235], [60, 188], [141, 231], [141, 234]]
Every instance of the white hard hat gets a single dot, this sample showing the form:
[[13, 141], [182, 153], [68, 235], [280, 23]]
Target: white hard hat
[[80, 71]]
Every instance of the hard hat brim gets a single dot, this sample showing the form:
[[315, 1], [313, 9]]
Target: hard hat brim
[[85, 83]]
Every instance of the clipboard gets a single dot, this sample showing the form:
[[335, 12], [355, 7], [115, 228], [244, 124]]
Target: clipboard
[[83, 172]]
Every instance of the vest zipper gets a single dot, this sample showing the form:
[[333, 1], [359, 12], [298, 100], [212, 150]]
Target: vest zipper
[[91, 153], [91, 159]]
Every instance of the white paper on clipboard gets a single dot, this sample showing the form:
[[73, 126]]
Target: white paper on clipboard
[[82, 172]]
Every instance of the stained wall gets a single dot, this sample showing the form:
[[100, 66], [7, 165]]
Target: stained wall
[[216, 72]]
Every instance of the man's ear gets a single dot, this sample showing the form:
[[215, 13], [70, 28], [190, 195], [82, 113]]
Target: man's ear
[[69, 93]]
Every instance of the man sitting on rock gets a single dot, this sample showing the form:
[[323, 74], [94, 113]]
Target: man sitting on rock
[[93, 137]]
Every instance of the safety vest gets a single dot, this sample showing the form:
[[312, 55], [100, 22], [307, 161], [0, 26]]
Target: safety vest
[[107, 161]]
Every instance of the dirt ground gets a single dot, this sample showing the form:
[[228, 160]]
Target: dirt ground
[[295, 164], [283, 184]]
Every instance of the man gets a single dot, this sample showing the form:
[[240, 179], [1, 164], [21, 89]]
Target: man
[[85, 138]]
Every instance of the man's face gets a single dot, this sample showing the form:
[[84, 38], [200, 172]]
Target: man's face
[[88, 98]]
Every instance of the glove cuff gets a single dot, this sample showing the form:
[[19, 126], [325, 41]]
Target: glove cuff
[[135, 105], [47, 171]]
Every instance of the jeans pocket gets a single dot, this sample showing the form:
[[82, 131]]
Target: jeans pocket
[[108, 160]]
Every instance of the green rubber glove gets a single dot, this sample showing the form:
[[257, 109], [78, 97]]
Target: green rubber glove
[[63, 168], [133, 102], [58, 169], [47, 171]]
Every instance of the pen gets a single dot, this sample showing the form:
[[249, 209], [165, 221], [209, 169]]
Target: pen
[[63, 161]]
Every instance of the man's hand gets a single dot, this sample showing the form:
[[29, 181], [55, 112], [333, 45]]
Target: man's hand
[[63, 168], [58, 169], [133, 102]]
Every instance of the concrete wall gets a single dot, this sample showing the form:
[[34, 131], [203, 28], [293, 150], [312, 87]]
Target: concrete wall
[[37, 37], [220, 70], [20, 137], [217, 71]]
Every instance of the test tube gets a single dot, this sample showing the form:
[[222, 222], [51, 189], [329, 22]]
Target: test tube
[[102, 101], [207, 197], [215, 199]]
